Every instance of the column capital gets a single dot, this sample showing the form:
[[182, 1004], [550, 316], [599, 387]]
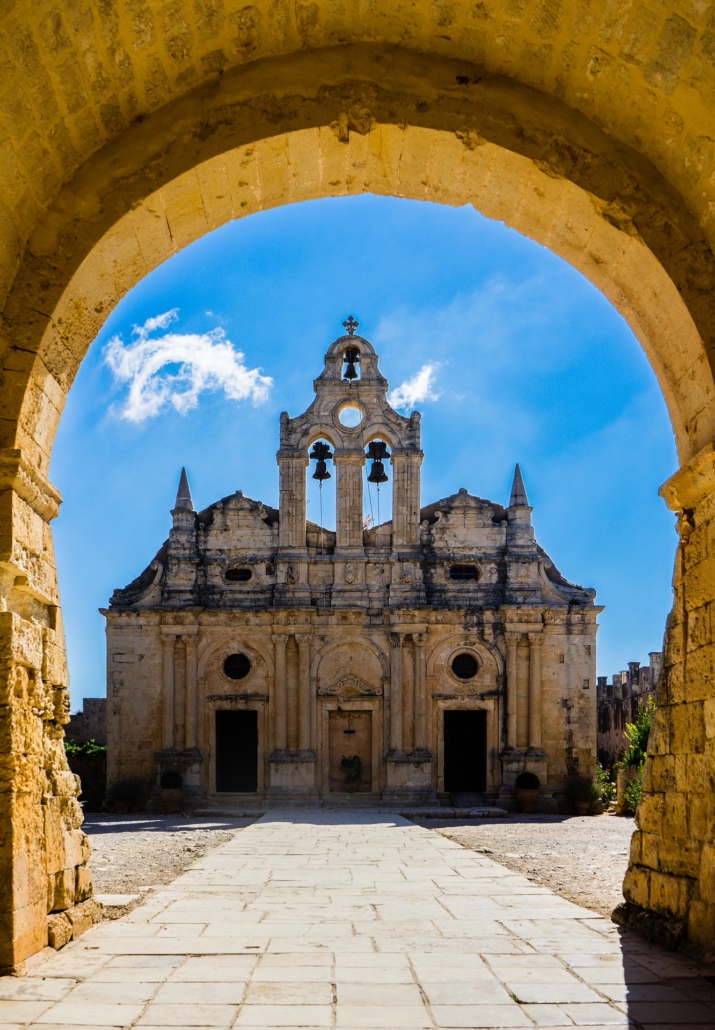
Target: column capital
[[168, 640], [396, 638], [280, 637], [536, 639], [303, 638]]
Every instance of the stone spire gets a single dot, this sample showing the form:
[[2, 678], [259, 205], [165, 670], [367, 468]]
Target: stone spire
[[518, 497], [183, 496]]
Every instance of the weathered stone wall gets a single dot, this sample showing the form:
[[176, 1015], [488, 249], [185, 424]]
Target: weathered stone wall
[[588, 126]]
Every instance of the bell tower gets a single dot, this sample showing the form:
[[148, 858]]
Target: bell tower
[[352, 414]]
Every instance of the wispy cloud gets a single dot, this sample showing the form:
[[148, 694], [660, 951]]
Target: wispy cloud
[[415, 390], [174, 369]]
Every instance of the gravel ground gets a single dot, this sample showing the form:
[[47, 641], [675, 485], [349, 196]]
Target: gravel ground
[[582, 858], [132, 853]]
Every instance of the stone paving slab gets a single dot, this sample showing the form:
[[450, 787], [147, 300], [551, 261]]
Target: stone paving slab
[[357, 920]]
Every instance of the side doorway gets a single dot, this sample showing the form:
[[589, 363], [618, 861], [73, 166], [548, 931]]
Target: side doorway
[[465, 751], [236, 752]]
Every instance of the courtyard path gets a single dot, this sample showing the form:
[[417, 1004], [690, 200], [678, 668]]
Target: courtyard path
[[355, 920]]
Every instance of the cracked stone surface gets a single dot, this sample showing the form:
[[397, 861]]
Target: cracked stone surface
[[356, 919]]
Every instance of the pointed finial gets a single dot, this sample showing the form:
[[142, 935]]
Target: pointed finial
[[351, 325], [518, 497], [183, 495]]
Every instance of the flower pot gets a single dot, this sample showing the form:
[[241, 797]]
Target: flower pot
[[527, 800], [596, 808], [171, 799], [582, 807]]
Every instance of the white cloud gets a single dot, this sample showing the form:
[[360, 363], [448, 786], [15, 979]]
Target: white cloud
[[415, 390], [176, 368]]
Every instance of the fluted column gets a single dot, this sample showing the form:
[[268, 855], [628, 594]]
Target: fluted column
[[191, 700], [279, 691], [396, 691], [512, 640], [168, 640], [304, 699], [420, 640], [535, 642]]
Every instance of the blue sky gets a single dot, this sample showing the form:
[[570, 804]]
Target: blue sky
[[527, 362]]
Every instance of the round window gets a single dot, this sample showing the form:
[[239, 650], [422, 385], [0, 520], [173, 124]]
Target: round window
[[238, 575], [464, 666], [350, 417], [237, 666]]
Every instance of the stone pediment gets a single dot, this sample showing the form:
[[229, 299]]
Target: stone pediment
[[350, 685]]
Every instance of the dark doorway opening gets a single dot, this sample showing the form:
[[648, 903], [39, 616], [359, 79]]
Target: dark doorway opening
[[236, 752], [465, 751]]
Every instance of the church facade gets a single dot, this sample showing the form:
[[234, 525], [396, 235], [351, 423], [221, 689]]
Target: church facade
[[270, 660]]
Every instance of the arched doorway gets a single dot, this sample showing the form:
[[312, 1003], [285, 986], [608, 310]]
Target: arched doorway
[[439, 121]]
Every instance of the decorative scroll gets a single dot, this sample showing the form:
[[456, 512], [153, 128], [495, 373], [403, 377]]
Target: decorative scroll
[[350, 685]]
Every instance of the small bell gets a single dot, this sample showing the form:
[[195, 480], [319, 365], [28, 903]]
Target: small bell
[[377, 473], [321, 453], [352, 357]]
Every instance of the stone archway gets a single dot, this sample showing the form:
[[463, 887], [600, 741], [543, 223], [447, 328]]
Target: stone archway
[[131, 132]]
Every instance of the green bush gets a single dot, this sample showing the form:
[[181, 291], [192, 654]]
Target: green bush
[[527, 781], [637, 734], [605, 784], [171, 780], [633, 793], [129, 790], [89, 762], [90, 749], [582, 788]]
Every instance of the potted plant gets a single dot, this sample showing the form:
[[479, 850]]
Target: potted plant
[[582, 792], [172, 795], [352, 767], [124, 795], [527, 791]]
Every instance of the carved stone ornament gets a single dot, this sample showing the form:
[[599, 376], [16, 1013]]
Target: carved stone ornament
[[350, 685]]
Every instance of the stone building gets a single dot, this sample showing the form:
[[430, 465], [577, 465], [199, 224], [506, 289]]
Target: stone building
[[618, 703], [90, 723], [273, 660]]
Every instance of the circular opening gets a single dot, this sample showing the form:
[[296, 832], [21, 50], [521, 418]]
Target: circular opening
[[463, 572], [238, 575], [465, 666], [350, 417], [237, 666]]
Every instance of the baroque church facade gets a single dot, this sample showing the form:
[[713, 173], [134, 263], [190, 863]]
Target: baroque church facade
[[271, 660]]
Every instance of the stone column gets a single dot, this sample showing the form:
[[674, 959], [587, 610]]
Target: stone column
[[396, 691], [191, 715], [512, 641], [406, 498], [349, 466], [535, 642], [291, 525], [168, 641], [304, 698], [420, 639], [279, 691]]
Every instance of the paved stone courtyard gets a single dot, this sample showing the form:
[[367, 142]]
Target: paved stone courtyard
[[355, 920]]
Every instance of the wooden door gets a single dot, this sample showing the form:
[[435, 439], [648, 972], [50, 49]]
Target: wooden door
[[350, 735]]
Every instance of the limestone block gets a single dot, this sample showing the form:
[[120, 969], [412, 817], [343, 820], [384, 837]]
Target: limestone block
[[701, 817], [650, 813], [83, 883], [82, 916], [701, 922], [636, 886], [687, 728], [669, 894], [61, 886], [59, 930], [53, 835], [679, 856]]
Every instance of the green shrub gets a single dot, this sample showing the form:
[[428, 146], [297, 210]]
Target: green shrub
[[352, 767], [637, 734], [605, 784], [582, 788], [129, 790], [89, 749], [527, 781], [171, 780], [633, 793]]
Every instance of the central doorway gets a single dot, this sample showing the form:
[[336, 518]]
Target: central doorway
[[465, 752], [236, 752], [350, 735]]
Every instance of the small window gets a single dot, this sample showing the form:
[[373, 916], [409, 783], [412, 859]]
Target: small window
[[238, 575], [460, 573], [587, 648], [237, 666], [586, 684], [464, 666]]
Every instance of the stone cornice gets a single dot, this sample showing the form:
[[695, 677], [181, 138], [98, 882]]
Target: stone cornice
[[16, 474]]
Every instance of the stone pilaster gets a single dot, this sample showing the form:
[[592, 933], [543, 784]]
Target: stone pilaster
[[406, 466]]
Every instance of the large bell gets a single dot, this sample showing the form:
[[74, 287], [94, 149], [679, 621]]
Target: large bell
[[352, 357], [321, 453], [377, 473]]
